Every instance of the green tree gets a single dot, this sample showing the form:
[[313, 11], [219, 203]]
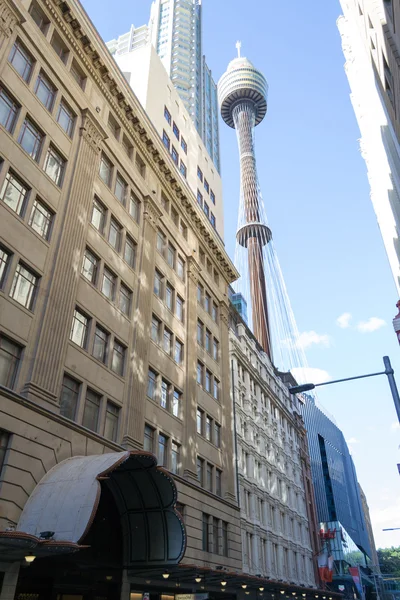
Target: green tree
[[389, 560]]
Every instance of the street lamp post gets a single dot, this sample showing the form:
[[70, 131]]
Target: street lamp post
[[306, 387]]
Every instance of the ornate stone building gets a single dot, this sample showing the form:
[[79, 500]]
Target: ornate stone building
[[102, 249], [276, 495]]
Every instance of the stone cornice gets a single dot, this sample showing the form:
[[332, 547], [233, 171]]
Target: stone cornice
[[76, 27], [10, 15]]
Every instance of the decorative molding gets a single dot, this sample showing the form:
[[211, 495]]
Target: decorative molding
[[193, 270], [92, 131], [10, 16], [151, 212], [224, 312]]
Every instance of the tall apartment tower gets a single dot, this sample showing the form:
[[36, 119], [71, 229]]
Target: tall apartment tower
[[370, 32], [175, 30]]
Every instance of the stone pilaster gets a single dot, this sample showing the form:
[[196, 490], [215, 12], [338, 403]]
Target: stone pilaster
[[227, 407], [10, 17], [10, 581], [59, 296], [134, 421], [190, 468]]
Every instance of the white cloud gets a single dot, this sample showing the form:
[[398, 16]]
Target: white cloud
[[310, 375], [395, 426], [353, 440], [372, 324], [344, 320], [308, 338]]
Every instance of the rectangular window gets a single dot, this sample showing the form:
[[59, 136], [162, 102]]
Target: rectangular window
[[215, 350], [214, 313], [134, 208], [218, 482], [121, 188], [200, 470], [208, 428], [100, 344], [24, 286], [212, 196], [208, 341], [209, 481], [166, 140], [178, 352], [118, 358], [105, 170], [79, 329], [199, 421], [92, 410], [10, 356], [125, 300], [112, 420], [200, 292], [169, 296], [40, 219], [208, 381], [200, 333], [140, 165], [171, 252], [148, 438], [167, 344], [207, 302], [224, 538], [206, 210], [114, 235], [180, 268], [4, 263], [206, 186], [45, 91], [8, 110], [4, 440], [108, 284], [215, 536], [31, 139], [66, 118], [164, 394], [54, 166], [179, 307], [158, 284], [175, 156], [175, 458], [200, 198], [114, 126], [59, 47], [167, 115], [206, 533], [200, 174], [39, 17], [183, 229], [98, 217], [127, 146], [161, 242], [216, 389], [69, 397], [212, 220], [217, 435], [162, 449], [183, 169], [183, 145], [151, 384], [21, 60], [175, 129], [130, 252], [176, 404], [90, 266], [200, 369]]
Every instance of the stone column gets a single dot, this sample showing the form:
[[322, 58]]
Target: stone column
[[59, 296], [10, 581], [134, 419], [10, 17], [190, 459], [255, 565], [227, 407]]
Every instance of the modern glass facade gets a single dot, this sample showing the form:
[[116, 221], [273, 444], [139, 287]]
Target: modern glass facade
[[334, 476], [175, 30]]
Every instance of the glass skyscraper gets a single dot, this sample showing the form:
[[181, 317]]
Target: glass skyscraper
[[175, 30]]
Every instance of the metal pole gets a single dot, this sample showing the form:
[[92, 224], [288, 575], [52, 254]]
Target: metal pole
[[392, 383]]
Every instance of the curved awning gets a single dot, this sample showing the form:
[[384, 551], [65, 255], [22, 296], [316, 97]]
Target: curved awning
[[65, 501]]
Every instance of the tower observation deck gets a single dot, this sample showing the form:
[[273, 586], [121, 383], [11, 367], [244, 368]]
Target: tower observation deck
[[242, 95]]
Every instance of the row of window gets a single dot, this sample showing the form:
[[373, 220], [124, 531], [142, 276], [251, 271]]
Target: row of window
[[85, 333], [164, 393], [205, 300], [168, 451], [208, 381], [25, 283], [164, 337], [206, 185], [166, 292], [10, 358], [208, 265], [177, 220], [208, 427], [116, 235], [174, 154], [169, 253], [99, 413], [210, 477], [215, 535], [15, 194], [206, 340], [111, 287], [206, 209], [175, 130], [121, 188]]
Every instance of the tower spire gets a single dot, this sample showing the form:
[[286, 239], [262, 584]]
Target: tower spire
[[238, 47]]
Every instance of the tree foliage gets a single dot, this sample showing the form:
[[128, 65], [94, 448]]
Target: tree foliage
[[389, 560]]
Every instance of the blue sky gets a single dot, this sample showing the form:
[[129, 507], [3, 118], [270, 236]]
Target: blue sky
[[316, 193]]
